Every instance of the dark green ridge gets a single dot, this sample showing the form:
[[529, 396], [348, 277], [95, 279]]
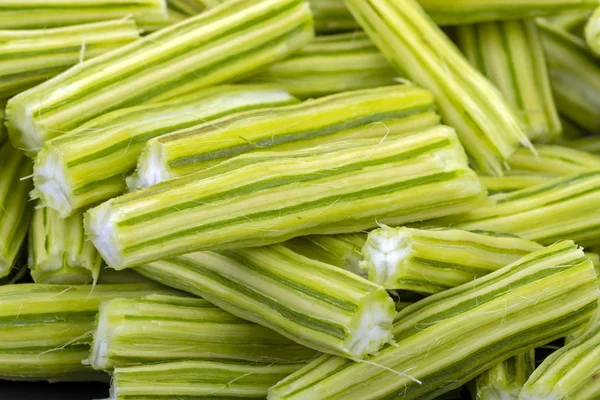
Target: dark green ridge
[[476, 271], [317, 363], [183, 320], [480, 62], [12, 321], [339, 368], [477, 245], [37, 351], [24, 218], [118, 179], [415, 285], [573, 232]]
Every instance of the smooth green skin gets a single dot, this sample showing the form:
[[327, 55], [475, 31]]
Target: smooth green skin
[[504, 380], [449, 338], [592, 32]]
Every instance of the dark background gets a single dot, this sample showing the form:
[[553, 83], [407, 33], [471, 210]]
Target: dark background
[[53, 391]]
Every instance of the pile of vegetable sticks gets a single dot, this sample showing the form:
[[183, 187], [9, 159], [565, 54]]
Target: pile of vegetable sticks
[[290, 199]]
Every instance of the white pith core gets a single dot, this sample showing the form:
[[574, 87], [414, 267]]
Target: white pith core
[[151, 169], [31, 134], [99, 353], [384, 253], [373, 328], [51, 183], [101, 231]]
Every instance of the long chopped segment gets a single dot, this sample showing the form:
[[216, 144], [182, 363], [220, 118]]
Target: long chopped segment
[[45, 332], [352, 187], [332, 16], [510, 54], [590, 144], [89, 164], [504, 380], [369, 113], [434, 260], [192, 7], [224, 43], [486, 124], [315, 304], [575, 76], [29, 57], [59, 251], [449, 338], [198, 380], [570, 372], [592, 32], [565, 207], [331, 64], [15, 208], [162, 328], [553, 160], [513, 182]]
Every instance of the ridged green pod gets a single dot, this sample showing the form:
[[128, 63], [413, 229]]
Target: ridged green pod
[[449, 338], [511, 56], [59, 252], [224, 43], [192, 7], [369, 113], [487, 125], [29, 57], [315, 304], [15, 208], [198, 380], [161, 328], [330, 64], [368, 181], [434, 260], [332, 16], [89, 164], [592, 32]]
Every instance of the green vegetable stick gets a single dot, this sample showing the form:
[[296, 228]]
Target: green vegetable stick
[[592, 32], [330, 64], [504, 380], [2, 128], [15, 209], [553, 160], [29, 57], [575, 76], [89, 164], [332, 16], [433, 260], [59, 251], [46, 329], [162, 328], [513, 182], [590, 144], [367, 181], [198, 380], [510, 54], [224, 43], [571, 130], [449, 338], [380, 112], [315, 304], [28, 14], [192, 7], [572, 21], [570, 372], [487, 126], [562, 208]]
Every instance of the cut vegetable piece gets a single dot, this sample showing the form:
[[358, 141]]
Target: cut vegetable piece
[[572, 21], [331, 64], [448, 338], [20, 14], [15, 209], [192, 7], [59, 251], [381, 112], [88, 165], [486, 124], [433, 260], [590, 144], [332, 16], [198, 380], [565, 207], [224, 43], [592, 32], [571, 130], [575, 76], [313, 303], [510, 54], [553, 160], [2, 128], [162, 328], [46, 329], [393, 181], [570, 372], [29, 57], [504, 380], [513, 182]]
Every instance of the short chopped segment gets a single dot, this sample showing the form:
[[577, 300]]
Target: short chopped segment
[[510, 54], [28, 14], [313, 303], [89, 164], [504, 380], [565, 207], [592, 32], [45, 330], [224, 43], [513, 182], [433, 260], [331, 64], [15, 208], [575, 76], [570, 372], [449, 338], [380, 112], [353, 187], [198, 380], [169, 328], [487, 125], [332, 16], [59, 251], [192, 7], [29, 57]]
